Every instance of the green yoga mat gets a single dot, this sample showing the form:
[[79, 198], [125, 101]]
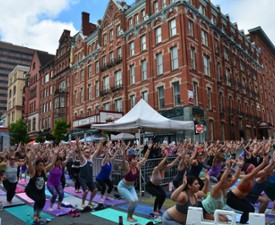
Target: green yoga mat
[[22, 211], [112, 215]]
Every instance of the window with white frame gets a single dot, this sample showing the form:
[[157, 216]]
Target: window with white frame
[[193, 57], [97, 88], [209, 98], [106, 83], [159, 64], [221, 102], [106, 106], [156, 6], [163, 3], [118, 29], [204, 37], [90, 71], [82, 75], [56, 103], [173, 27], [81, 95], [206, 65], [118, 78], [158, 35], [143, 14], [118, 105], [111, 35], [130, 22], [132, 74], [97, 66], [144, 95], [174, 58], [202, 9], [111, 56], [119, 55], [195, 93], [46, 78], [228, 77], [104, 39], [191, 28], [136, 19], [104, 60], [132, 48], [75, 97], [161, 99], [144, 69], [89, 92], [176, 93], [62, 103], [143, 42], [132, 101]]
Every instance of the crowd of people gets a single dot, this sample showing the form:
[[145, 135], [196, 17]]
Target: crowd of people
[[223, 165]]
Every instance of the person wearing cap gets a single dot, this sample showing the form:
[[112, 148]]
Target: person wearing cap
[[126, 188]]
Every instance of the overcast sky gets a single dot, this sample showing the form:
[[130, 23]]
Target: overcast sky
[[39, 23]]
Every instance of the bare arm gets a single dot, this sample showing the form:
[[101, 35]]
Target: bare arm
[[145, 157]]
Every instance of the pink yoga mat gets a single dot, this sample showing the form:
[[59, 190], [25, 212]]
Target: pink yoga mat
[[19, 189], [71, 191], [24, 197]]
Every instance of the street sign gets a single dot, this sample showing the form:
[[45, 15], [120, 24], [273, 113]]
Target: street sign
[[199, 128]]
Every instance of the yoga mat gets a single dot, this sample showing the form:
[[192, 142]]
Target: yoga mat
[[25, 198], [112, 215], [141, 209], [97, 198], [270, 205], [2, 192], [49, 195], [76, 202], [56, 212], [15, 201], [22, 211], [19, 189], [167, 204]]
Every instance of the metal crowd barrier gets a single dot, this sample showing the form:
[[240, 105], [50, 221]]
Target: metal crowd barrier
[[146, 170]]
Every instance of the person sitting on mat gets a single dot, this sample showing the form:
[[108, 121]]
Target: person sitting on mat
[[86, 170], [126, 186], [103, 178], [153, 186]]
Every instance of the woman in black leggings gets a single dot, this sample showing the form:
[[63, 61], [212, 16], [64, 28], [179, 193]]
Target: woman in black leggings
[[153, 186]]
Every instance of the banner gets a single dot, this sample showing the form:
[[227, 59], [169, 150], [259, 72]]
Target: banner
[[190, 97]]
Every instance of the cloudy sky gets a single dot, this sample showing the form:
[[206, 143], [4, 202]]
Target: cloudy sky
[[39, 23]]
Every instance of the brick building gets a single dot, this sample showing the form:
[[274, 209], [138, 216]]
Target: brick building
[[185, 58]]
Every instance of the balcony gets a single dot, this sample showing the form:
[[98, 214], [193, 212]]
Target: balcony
[[105, 91], [117, 87], [60, 91], [111, 64]]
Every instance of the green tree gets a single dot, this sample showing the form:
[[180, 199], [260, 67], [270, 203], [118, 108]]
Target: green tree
[[19, 132], [60, 130]]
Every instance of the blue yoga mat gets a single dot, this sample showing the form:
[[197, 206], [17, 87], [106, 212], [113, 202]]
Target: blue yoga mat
[[141, 209], [22, 211], [113, 215]]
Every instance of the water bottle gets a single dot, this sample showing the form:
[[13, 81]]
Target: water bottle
[[28, 220], [120, 220]]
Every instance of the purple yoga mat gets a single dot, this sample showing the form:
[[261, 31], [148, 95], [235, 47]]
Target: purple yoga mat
[[2, 192], [24, 197], [56, 212], [19, 189], [71, 191]]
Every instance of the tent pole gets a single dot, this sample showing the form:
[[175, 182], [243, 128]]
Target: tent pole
[[140, 174]]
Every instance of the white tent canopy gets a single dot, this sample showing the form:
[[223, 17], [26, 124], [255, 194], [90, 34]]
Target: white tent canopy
[[123, 136], [143, 117]]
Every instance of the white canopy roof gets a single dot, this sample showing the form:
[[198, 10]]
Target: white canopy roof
[[122, 136], [143, 116]]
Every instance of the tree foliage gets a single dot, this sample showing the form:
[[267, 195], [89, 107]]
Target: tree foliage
[[18, 132], [60, 130]]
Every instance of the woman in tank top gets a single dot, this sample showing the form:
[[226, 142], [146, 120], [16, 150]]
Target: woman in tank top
[[153, 186], [217, 197], [36, 186], [185, 195], [126, 186], [10, 177], [103, 178]]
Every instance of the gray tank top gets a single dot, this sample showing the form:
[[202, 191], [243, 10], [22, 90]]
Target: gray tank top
[[11, 173], [184, 208]]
